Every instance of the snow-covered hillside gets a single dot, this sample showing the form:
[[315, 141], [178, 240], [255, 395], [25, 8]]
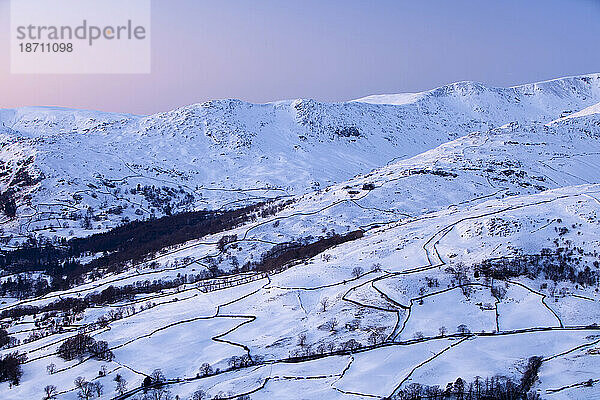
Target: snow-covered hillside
[[226, 153], [431, 244]]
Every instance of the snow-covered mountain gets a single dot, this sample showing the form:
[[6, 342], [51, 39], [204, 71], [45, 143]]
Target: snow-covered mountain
[[58, 163], [418, 239]]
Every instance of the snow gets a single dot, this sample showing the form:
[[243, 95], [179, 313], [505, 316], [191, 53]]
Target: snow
[[451, 309], [386, 367], [395, 99], [522, 308], [439, 181], [486, 356], [217, 151]]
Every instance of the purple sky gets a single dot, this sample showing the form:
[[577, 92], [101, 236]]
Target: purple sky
[[333, 50]]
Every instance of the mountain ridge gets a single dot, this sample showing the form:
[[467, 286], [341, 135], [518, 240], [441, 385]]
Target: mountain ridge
[[208, 155], [556, 85]]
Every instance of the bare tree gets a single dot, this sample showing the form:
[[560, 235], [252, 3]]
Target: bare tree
[[86, 390], [79, 381], [443, 330], [157, 376], [97, 388], [302, 340], [376, 267], [50, 392], [466, 290], [324, 303], [498, 292], [120, 384], [205, 369], [199, 395], [351, 345], [246, 360], [460, 274], [357, 272], [419, 335], [160, 394], [234, 362], [51, 368], [375, 338], [331, 324], [462, 329], [552, 289], [240, 362]]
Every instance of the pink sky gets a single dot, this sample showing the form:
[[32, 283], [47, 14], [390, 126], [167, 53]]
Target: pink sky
[[266, 50]]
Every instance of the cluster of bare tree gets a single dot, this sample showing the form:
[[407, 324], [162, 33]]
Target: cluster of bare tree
[[5, 339], [82, 345], [166, 199], [286, 253], [8, 205], [10, 367], [111, 294], [559, 264], [494, 388], [19, 181], [202, 395], [88, 390], [133, 242], [243, 361]]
